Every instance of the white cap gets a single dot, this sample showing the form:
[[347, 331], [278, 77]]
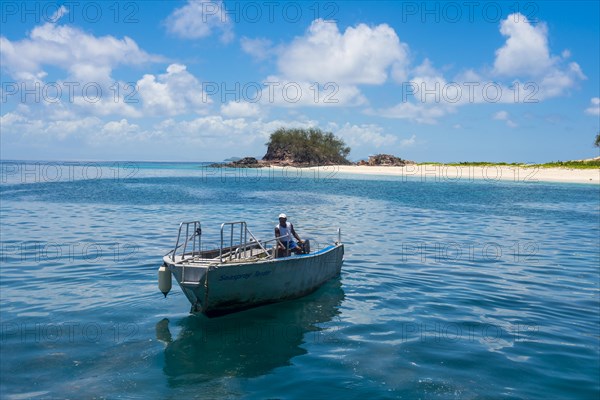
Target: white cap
[[282, 215]]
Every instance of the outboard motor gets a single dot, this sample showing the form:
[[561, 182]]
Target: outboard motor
[[306, 246]]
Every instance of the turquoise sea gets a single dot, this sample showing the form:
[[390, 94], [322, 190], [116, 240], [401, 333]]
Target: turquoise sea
[[450, 289]]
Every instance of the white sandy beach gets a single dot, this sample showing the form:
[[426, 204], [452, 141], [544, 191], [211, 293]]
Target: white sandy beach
[[440, 173]]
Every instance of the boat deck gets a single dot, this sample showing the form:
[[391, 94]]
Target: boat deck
[[209, 258]]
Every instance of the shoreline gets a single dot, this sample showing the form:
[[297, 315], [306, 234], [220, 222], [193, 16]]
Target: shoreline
[[17, 171], [490, 173]]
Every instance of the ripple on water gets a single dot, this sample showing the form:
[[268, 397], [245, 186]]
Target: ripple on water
[[448, 291]]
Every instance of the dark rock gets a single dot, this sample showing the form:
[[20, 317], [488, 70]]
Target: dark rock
[[246, 162], [283, 157], [386, 160]]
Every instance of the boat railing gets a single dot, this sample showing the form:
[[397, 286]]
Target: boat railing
[[193, 237], [242, 246], [237, 242]]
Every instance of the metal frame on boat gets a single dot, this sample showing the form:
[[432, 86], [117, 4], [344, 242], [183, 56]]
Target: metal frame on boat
[[243, 272]]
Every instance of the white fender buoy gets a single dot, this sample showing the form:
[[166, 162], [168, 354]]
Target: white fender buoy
[[164, 279]]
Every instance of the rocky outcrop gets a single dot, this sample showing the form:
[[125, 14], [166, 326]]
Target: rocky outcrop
[[279, 156], [305, 147], [386, 160], [246, 162], [307, 158]]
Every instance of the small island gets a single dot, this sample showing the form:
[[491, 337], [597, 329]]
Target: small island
[[312, 148], [308, 148], [305, 147], [297, 148]]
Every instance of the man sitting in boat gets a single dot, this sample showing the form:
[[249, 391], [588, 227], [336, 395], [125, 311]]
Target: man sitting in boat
[[284, 231]]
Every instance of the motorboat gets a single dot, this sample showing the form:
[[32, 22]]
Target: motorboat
[[244, 272]]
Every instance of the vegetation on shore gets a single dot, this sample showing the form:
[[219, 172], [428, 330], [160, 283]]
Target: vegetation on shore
[[310, 147], [385, 160], [577, 164], [251, 162], [306, 147], [473, 164], [574, 164], [582, 164]]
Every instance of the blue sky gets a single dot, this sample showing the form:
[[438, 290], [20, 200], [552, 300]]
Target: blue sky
[[204, 81]]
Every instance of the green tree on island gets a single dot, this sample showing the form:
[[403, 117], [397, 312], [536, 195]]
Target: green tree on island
[[597, 142], [306, 146]]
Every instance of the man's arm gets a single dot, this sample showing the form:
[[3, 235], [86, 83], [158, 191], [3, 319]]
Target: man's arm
[[278, 242], [295, 234]]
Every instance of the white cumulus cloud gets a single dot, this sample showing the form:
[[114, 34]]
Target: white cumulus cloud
[[199, 19], [409, 142], [278, 91], [422, 113], [119, 127], [526, 55], [39, 129], [525, 71], [235, 109], [360, 55], [324, 67], [175, 92], [526, 48], [503, 116], [594, 108], [258, 48], [359, 136], [86, 57]]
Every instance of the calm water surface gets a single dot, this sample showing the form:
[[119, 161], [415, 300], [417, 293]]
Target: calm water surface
[[450, 290]]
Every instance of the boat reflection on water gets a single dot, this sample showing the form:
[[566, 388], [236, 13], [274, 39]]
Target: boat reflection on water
[[249, 343]]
